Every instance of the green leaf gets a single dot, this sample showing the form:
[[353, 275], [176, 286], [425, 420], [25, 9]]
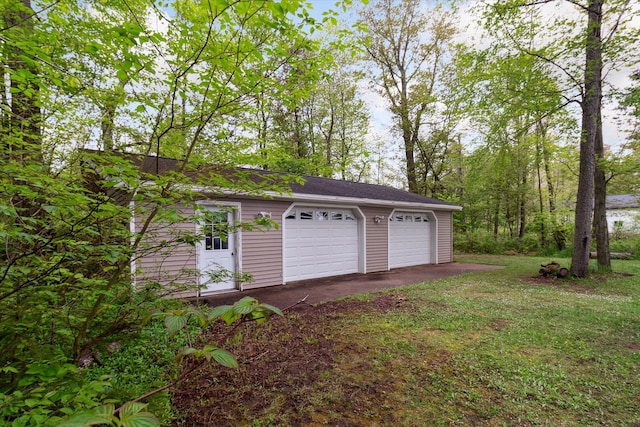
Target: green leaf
[[271, 308], [224, 358], [122, 75], [175, 323], [97, 416], [131, 415], [187, 351], [230, 316], [218, 311], [245, 305]]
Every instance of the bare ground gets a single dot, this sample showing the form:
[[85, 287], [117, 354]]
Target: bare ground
[[279, 361]]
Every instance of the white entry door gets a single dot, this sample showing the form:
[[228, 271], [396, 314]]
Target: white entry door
[[217, 252], [409, 239], [320, 242]]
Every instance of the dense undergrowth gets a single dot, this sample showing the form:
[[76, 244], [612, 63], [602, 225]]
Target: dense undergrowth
[[481, 242]]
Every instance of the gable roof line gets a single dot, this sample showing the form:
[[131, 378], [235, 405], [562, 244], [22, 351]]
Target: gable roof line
[[359, 200], [305, 197]]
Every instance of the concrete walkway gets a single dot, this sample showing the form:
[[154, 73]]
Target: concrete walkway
[[331, 288]]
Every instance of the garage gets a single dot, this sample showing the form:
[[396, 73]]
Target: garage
[[320, 242], [409, 239]]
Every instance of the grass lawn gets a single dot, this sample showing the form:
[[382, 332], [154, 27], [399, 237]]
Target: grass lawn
[[492, 348]]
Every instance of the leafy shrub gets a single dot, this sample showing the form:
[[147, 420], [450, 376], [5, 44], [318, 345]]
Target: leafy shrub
[[47, 392], [482, 242], [141, 365], [628, 243]]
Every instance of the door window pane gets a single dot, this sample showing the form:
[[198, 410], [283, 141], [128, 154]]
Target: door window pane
[[216, 231], [322, 215]]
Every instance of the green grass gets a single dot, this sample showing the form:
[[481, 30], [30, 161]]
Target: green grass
[[490, 348], [493, 348]]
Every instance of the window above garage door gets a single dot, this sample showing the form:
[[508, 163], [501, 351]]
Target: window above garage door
[[409, 217], [320, 214]]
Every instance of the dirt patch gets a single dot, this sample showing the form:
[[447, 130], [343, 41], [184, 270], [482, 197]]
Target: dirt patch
[[633, 346], [280, 361], [499, 324]]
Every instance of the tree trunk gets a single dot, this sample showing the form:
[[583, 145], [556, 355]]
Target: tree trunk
[[522, 210], [601, 227], [590, 114], [409, 148], [26, 118], [543, 221]]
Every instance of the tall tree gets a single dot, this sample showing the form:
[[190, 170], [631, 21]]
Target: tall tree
[[320, 126], [581, 82], [515, 109], [407, 46]]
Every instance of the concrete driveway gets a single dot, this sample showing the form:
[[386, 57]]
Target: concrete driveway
[[327, 289]]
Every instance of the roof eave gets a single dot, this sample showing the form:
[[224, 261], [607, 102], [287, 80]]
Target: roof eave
[[319, 198]]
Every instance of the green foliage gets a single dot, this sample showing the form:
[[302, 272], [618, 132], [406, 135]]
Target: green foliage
[[130, 415], [141, 364], [46, 392], [482, 242], [108, 77], [629, 244]]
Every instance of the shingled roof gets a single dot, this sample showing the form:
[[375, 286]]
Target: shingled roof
[[623, 201], [313, 185], [339, 188]]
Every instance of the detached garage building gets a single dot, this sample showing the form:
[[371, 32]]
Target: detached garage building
[[326, 228]]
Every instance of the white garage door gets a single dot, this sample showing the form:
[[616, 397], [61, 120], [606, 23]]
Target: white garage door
[[409, 239], [320, 242]]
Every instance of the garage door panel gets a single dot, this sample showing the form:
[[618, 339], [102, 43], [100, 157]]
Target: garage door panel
[[326, 245], [409, 239]]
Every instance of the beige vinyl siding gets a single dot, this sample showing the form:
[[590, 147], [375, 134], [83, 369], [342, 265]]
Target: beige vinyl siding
[[445, 236], [262, 250], [162, 260], [377, 238]]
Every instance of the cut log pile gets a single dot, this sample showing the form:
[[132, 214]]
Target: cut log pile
[[553, 269]]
